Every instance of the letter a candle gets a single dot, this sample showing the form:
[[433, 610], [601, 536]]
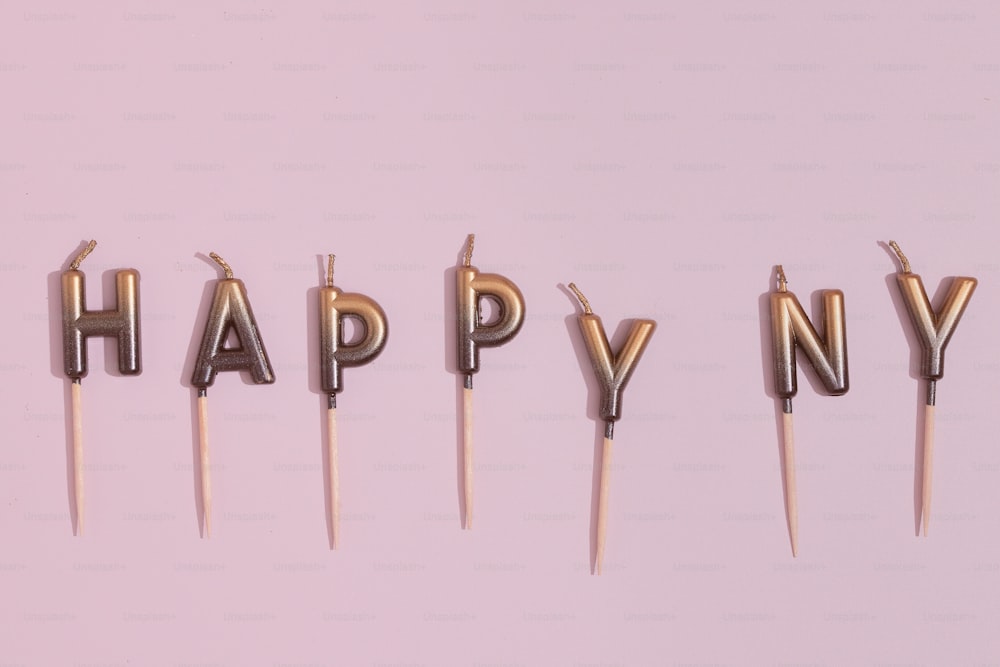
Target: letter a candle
[[933, 330], [79, 324], [335, 307], [230, 312], [613, 371], [791, 328], [473, 333]]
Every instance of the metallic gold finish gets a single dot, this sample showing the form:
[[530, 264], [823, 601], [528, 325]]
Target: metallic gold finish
[[79, 324], [791, 328], [231, 311], [613, 370], [335, 355], [934, 330], [473, 287]]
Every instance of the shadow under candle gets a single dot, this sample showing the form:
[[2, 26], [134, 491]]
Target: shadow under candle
[[450, 322], [315, 386]]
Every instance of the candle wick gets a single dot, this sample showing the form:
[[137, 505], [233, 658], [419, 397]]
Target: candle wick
[[329, 270], [582, 298], [902, 258], [82, 256], [782, 281], [221, 262], [468, 249]]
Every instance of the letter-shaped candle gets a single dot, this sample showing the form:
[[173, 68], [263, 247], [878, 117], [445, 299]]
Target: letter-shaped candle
[[790, 327], [79, 324], [336, 354], [230, 312], [613, 371], [473, 333], [933, 330]]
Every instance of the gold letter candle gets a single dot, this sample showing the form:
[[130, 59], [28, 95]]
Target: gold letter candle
[[79, 324], [613, 371], [933, 330], [473, 333], [230, 312], [791, 328], [335, 307]]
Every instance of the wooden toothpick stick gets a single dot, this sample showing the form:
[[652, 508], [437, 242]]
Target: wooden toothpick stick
[[206, 478], [333, 462], [467, 447], [791, 487], [925, 505], [602, 502], [76, 387]]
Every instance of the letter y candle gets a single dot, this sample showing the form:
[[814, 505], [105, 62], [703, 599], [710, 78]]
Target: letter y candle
[[613, 371], [934, 330]]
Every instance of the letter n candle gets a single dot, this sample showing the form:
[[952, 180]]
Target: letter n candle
[[791, 328]]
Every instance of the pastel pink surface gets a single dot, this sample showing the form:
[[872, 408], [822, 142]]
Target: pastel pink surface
[[663, 157]]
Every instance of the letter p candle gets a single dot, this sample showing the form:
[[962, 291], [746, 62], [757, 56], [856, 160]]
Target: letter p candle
[[791, 328], [473, 333], [335, 307]]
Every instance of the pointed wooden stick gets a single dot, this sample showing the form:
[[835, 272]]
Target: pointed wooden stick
[[467, 448], [77, 402], [925, 508], [206, 478], [791, 489], [333, 456], [602, 502]]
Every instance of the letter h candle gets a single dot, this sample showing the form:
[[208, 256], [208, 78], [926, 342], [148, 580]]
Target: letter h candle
[[79, 324]]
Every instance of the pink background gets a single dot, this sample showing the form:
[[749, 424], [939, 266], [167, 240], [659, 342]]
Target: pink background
[[662, 156]]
